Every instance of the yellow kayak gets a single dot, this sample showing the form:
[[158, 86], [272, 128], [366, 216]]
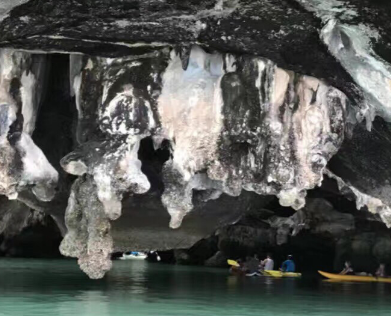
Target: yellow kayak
[[233, 263], [356, 278], [280, 274]]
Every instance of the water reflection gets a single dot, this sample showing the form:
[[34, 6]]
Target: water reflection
[[129, 274], [91, 303]]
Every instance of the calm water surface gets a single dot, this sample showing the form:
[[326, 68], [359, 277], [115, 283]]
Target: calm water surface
[[36, 287]]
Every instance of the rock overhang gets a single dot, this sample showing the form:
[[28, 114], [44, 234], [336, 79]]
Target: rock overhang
[[236, 30]]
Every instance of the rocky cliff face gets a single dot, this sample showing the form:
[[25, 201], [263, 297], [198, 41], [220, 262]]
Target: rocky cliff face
[[163, 121]]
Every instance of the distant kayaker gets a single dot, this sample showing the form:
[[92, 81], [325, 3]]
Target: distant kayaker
[[268, 263], [348, 270], [252, 264], [381, 271], [288, 265]]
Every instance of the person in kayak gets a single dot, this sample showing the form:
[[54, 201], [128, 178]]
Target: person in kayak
[[268, 263], [288, 265], [381, 271], [252, 265], [347, 270]]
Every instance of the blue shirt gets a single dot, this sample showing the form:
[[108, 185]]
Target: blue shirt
[[288, 266]]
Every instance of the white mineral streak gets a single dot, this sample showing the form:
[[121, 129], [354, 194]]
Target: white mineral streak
[[225, 7], [126, 102], [8, 181], [75, 68], [300, 128], [11, 63], [190, 108], [35, 170], [329, 9], [310, 126], [76, 167], [374, 205], [29, 111], [222, 8], [351, 46], [7, 5], [112, 180]]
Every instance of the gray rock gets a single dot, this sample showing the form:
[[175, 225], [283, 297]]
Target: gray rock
[[217, 260]]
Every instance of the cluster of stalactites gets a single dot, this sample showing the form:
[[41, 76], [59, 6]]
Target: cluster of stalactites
[[233, 123], [243, 123]]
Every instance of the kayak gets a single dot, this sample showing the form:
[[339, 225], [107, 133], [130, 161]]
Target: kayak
[[354, 278], [280, 274], [273, 273], [133, 256]]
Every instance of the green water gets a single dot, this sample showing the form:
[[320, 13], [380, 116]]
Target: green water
[[36, 287]]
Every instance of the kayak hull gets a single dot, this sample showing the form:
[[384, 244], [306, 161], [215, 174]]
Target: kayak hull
[[280, 274], [353, 278], [140, 256]]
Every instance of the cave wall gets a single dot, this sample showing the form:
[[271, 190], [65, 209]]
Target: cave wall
[[164, 121]]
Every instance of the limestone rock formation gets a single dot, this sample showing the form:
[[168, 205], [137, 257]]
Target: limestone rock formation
[[171, 119]]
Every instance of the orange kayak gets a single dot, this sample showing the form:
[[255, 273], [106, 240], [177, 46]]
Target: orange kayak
[[354, 278]]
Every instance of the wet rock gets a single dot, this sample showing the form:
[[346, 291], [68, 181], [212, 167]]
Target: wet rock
[[239, 241], [218, 260], [318, 216]]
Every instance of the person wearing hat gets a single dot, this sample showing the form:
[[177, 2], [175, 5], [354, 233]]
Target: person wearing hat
[[288, 265]]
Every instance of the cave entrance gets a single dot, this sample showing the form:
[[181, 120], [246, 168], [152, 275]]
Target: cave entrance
[[153, 160]]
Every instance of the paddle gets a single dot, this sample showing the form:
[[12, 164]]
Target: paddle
[[233, 263]]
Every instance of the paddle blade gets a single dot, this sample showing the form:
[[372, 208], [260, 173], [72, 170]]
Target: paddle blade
[[233, 263]]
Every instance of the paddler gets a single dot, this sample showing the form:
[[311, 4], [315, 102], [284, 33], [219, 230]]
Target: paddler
[[268, 263], [381, 271], [288, 265], [252, 264], [348, 270], [238, 270]]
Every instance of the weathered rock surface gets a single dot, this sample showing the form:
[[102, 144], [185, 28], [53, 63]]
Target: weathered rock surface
[[188, 114]]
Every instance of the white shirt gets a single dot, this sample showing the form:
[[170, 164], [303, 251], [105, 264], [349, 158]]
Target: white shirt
[[269, 264]]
